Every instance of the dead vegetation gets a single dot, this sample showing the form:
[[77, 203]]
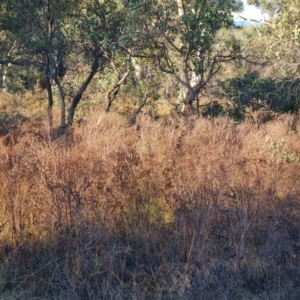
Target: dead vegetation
[[184, 209]]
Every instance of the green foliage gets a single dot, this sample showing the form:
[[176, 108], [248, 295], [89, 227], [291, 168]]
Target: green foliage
[[287, 25], [55, 35], [281, 150], [214, 109], [180, 38], [251, 90], [28, 23], [177, 36]]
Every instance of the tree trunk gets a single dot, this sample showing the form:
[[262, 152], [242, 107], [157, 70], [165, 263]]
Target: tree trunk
[[143, 103], [191, 96], [198, 105], [180, 8], [62, 102], [4, 78], [54, 75], [82, 89], [111, 96], [50, 103], [49, 92]]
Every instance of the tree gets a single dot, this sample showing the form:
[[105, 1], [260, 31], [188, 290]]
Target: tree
[[287, 23], [283, 40], [180, 37], [47, 32], [36, 29]]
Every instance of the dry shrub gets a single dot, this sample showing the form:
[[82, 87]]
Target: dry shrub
[[184, 209]]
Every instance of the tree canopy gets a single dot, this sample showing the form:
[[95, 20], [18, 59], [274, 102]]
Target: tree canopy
[[189, 41]]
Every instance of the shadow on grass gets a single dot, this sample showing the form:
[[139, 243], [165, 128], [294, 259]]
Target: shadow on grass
[[9, 121], [163, 212], [204, 253]]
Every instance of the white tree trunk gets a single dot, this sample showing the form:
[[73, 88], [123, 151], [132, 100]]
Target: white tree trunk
[[180, 8], [4, 78]]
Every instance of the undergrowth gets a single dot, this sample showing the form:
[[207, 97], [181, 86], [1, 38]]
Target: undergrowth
[[182, 209]]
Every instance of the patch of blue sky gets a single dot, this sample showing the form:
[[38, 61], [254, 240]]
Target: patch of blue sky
[[249, 15]]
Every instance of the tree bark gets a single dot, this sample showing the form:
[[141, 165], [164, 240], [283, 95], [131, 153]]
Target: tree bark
[[4, 78], [61, 95], [50, 103], [62, 103], [49, 92], [111, 96], [143, 103], [198, 105], [191, 96], [82, 89]]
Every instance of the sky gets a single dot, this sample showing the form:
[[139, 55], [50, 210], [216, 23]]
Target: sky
[[250, 12]]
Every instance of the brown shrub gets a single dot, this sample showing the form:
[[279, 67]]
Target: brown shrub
[[190, 209]]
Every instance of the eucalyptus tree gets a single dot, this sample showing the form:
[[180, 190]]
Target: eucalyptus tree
[[287, 23], [280, 40], [99, 26], [180, 36], [284, 42], [36, 29], [47, 32]]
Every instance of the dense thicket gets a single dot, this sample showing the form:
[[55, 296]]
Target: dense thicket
[[111, 211]]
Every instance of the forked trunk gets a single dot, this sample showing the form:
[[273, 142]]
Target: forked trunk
[[191, 97]]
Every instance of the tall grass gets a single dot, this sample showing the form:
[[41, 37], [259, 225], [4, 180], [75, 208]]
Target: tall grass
[[183, 209]]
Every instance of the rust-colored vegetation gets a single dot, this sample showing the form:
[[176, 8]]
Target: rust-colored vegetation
[[183, 209]]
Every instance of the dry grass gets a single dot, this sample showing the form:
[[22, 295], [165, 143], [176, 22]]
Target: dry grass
[[184, 209]]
